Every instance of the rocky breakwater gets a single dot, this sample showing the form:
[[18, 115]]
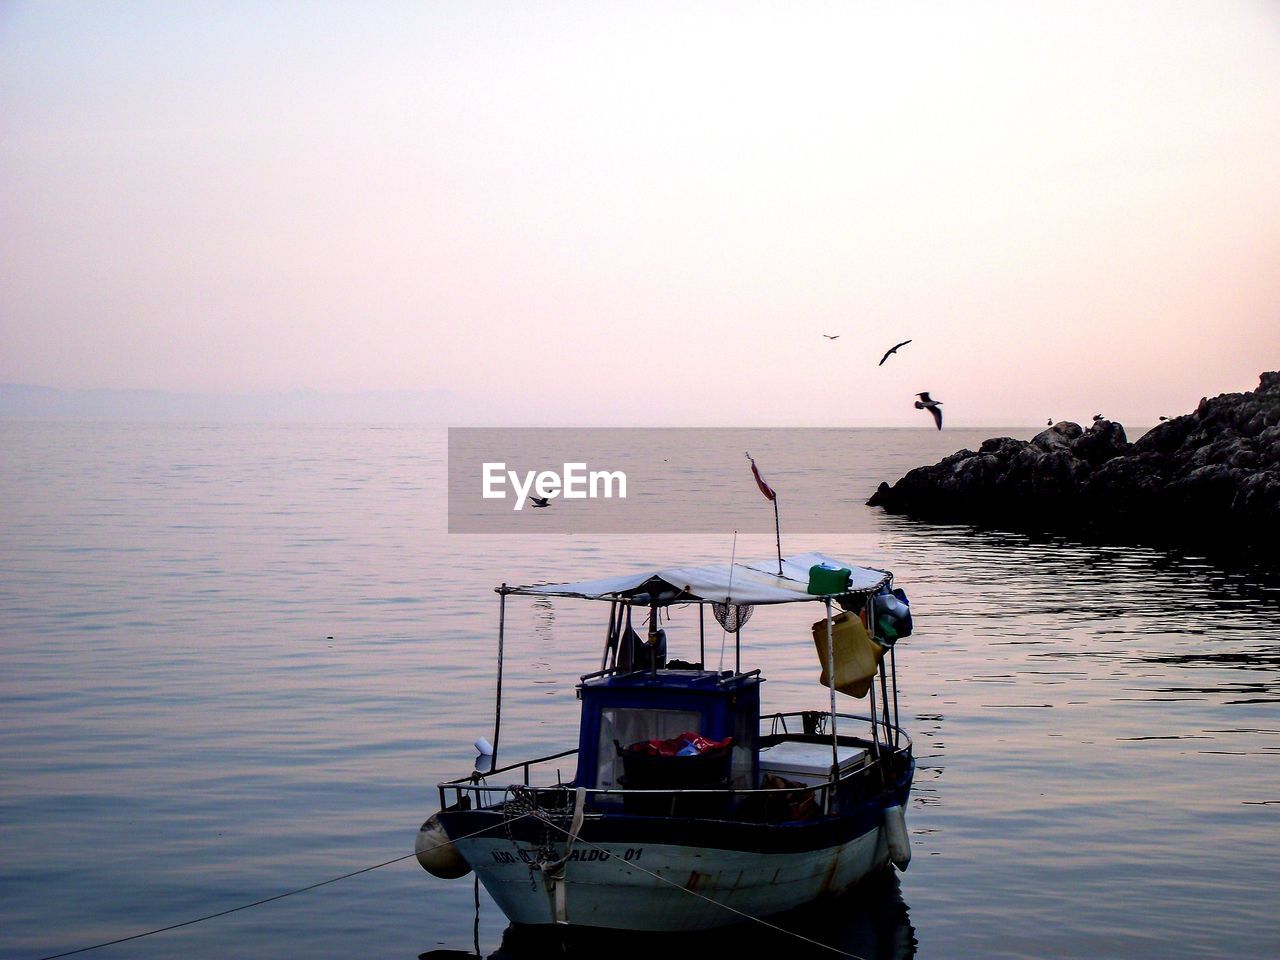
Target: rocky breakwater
[[1210, 478]]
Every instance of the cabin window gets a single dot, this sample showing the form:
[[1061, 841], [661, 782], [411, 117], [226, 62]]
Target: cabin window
[[628, 725]]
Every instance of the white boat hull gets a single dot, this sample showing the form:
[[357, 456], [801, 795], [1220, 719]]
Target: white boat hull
[[667, 888]]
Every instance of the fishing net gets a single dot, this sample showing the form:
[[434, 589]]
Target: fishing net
[[732, 616], [545, 805]]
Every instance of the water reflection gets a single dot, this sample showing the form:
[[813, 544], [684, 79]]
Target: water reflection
[[1095, 725], [544, 619], [870, 921], [542, 662]]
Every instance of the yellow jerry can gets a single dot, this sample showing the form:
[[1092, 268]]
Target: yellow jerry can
[[857, 655]]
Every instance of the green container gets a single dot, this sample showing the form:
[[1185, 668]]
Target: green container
[[825, 580]]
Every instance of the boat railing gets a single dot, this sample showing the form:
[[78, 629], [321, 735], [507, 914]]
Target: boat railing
[[485, 793], [656, 801], [484, 789], [888, 736]]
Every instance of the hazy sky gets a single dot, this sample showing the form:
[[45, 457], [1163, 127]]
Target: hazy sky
[[648, 212]]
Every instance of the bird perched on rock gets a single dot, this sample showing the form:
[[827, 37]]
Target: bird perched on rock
[[1049, 422], [891, 351], [1162, 419], [927, 403], [540, 501], [1097, 417]]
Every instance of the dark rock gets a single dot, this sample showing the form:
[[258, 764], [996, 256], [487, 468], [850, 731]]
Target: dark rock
[[881, 496], [1212, 476], [1101, 442], [1002, 447], [1166, 437], [1058, 475], [1059, 435], [977, 475], [1258, 499]]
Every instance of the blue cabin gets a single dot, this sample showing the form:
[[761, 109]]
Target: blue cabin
[[622, 709]]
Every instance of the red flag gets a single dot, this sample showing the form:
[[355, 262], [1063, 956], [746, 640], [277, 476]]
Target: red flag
[[764, 487]]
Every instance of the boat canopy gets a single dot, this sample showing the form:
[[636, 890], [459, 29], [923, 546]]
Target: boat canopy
[[738, 583]]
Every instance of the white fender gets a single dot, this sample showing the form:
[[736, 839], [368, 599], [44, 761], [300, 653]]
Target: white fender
[[895, 831], [436, 852]]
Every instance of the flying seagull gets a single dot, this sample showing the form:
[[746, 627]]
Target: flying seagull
[[831, 336], [540, 501], [926, 403], [890, 352]]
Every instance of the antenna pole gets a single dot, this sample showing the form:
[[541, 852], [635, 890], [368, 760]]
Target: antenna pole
[[702, 636]]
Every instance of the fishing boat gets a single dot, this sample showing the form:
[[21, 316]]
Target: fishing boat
[[689, 808]]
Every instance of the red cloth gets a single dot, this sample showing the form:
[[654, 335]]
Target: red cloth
[[669, 748]]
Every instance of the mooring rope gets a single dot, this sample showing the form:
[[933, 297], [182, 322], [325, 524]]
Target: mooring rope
[[537, 814], [718, 903], [258, 903]]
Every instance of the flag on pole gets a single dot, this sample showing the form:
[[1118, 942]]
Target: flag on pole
[[764, 487]]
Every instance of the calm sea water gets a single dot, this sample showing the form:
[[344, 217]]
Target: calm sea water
[[235, 660]]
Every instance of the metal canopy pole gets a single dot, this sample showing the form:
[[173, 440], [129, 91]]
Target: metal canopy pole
[[610, 639], [884, 704], [652, 637], [884, 688], [702, 634], [897, 722], [871, 692], [871, 706], [831, 685], [497, 707]]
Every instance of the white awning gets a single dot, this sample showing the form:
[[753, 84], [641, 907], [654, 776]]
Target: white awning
[[744, 583]]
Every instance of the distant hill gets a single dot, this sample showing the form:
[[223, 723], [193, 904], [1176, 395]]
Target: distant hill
[[24, 401]]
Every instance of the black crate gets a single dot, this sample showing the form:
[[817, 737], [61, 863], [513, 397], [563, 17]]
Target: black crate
[[644, 771]]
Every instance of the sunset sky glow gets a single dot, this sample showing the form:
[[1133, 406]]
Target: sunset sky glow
[[634, 213]]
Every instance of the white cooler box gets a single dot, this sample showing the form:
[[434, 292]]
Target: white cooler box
[[808, 763]]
